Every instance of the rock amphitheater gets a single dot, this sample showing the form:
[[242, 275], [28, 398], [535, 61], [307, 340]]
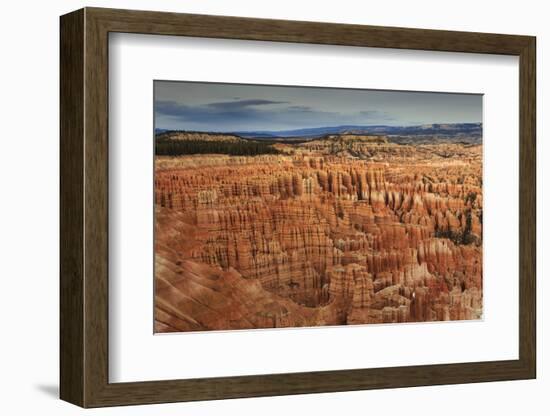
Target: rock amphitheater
[[336, 231]]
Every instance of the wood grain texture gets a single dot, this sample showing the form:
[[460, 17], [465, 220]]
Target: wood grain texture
[[96, 209], [527, 208], [84, 207], [162, 23], [72, 369]]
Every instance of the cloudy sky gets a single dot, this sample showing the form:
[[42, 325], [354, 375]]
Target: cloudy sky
[[238, 107]]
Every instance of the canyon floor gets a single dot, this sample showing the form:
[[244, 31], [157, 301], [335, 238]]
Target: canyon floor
[[339, 230]]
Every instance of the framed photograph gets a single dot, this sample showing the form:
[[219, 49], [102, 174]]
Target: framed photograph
[[255, 207]]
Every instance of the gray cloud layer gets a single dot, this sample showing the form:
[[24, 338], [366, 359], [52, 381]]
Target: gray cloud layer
[[259, 114], [235, 107]]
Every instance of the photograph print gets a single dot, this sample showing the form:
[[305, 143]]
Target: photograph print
[[293, 206]]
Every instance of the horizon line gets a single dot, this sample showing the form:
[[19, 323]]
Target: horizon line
[[321, 127]]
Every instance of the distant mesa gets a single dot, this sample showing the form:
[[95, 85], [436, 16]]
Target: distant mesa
[[443, 129], [448, 132]]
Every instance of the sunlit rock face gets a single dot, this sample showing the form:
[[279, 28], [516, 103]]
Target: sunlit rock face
[[339, 231]]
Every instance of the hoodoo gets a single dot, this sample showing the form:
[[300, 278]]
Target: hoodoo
[[338, 230]]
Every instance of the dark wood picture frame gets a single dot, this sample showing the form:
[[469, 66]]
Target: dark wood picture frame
[[84, 207]]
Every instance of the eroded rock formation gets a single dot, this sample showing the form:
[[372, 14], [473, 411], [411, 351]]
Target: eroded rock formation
[[331, 232]]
